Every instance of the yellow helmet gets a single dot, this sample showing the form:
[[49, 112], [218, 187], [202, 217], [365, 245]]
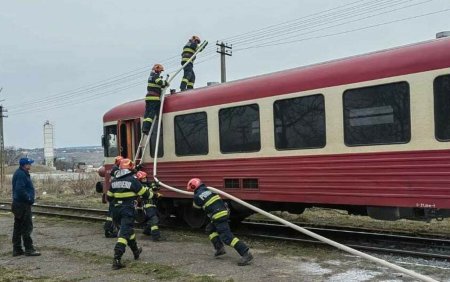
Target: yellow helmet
[[158, 68]]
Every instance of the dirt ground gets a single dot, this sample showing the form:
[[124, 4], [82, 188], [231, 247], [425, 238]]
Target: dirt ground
[[77, 251]]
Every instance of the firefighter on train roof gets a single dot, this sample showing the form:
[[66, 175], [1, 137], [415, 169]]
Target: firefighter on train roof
[[150, 209], [123, 192], [218, 229], [155, 87], [188, 80]]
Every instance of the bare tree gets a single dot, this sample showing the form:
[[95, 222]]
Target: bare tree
[[12, 155]]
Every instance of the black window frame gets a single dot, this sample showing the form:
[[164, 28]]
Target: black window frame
[[202, 153], [221, 127], [106, 149], [438, 124], [409, 125], [323, 137]]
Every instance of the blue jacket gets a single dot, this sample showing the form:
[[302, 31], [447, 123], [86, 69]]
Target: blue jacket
[[22, 187]]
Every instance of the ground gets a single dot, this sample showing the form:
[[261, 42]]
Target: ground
[[77, 251]]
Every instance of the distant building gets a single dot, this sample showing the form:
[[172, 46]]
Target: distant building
[[49, 143]]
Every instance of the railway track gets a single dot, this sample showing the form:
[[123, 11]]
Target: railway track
[[63, 211], [403, 244]]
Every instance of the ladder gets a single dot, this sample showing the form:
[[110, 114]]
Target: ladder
[[143, 143], [145, 138]]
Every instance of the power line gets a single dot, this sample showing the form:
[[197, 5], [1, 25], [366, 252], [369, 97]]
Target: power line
[[344, 32], [123, 81]]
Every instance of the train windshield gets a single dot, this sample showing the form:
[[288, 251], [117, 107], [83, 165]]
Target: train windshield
[[110, 143]]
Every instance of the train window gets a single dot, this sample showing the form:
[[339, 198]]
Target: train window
[[377, 115], [239, 129], [153, 143], [231, 183], [110, 144], [300, 122], [442, 108], [250, 183], [191, 134]]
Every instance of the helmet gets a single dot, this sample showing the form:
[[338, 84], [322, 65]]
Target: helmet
[[196, 39], [126, 164], [117, 160], [193, 184], [140, 175], [158, 68]]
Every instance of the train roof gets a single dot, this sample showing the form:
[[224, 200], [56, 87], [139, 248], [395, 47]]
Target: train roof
[[419, 57]]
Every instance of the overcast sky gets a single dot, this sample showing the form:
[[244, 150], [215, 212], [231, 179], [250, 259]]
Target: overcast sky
[[71, 61]]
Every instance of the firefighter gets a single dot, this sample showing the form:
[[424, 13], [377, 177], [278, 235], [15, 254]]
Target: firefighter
[[188, 80], [153, 97], [218, 229], [123, 192], [151, 212], [109, 226]]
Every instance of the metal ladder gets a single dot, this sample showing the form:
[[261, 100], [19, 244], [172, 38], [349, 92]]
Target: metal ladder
[[143, 143]]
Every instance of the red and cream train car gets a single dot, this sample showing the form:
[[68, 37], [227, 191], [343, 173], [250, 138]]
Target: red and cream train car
[[369, 134]]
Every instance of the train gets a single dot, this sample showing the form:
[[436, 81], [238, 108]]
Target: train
[[368, 134]]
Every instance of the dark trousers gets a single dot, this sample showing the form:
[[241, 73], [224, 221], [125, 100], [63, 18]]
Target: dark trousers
[[124, 215], [109, 226], [220, 233], [151, 227], [151, 110], [188, 80], [23, 226]]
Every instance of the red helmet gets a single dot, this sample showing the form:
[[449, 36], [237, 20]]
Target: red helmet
[[193, 184], [117, 160], [126, 164], [141, 175], [196, 39], [158, 68]]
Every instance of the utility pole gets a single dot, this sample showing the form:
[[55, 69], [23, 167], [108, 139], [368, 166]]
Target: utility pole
[[224, 50], [2, 145]]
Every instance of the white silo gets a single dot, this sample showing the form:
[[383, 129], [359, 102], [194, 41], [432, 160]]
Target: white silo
[[49, 142]]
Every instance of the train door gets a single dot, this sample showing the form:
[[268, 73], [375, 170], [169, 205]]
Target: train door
[[129, 136]]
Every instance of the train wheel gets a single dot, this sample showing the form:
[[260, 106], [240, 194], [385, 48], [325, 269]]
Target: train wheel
[[195, 218]]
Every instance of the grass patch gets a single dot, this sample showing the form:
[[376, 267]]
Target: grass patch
[[206, 278], [83, 256], [159, 271], [10, 275]]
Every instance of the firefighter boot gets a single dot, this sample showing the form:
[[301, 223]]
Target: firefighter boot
[[117, 263], [134, 248], [137, 252], [220, 252], [219, 247], [245, 259]]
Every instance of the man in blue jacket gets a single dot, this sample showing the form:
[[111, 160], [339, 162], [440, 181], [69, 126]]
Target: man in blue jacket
[[23, 198]]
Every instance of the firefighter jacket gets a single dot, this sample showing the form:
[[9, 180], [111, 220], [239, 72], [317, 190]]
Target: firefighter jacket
[[125, 188], [156, 83], [188, 50], [211, 203], [150, 202]]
